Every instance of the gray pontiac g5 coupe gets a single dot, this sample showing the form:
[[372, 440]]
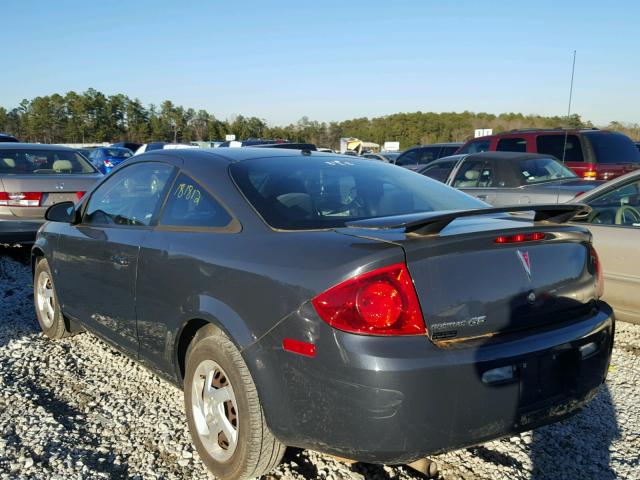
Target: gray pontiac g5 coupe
[[328, 302]]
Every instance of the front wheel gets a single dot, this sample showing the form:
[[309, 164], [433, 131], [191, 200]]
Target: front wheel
[[225, 418], [45, 299]]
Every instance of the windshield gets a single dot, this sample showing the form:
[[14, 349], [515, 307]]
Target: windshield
[[299, 193], [537, 170], [22, 161], [613, 147]]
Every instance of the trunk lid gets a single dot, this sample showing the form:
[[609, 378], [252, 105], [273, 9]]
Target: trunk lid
[[469, 286], [54, 188]]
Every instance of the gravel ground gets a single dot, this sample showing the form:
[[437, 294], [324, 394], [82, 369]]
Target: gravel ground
[[76, 408]]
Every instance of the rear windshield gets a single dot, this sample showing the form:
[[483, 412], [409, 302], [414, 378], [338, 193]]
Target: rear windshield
[[613, 147], [116, 152], [299, 193], [20, 162], [537, 170]]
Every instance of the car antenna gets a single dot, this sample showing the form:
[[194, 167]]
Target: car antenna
[[566, 132]]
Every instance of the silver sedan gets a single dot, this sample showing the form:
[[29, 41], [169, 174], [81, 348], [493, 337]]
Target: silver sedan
[[509, 178], [34, 177]]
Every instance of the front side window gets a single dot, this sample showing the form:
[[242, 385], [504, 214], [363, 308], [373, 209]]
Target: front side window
[[512, 145], [21, 162], [538, 170], [190, 205], [474, 174], [555, 144], [130, 196], [439, 170], [295, 193], [620, 206]]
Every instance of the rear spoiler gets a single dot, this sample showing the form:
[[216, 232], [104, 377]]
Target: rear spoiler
[[427, 223]]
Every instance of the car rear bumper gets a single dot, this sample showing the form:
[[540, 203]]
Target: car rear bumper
[[19, 231], [394, 400]]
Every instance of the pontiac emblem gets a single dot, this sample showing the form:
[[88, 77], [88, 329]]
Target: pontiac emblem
[[525, 261]]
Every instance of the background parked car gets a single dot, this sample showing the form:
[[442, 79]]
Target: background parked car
[[388, 157], [593, 154], [615, 225], [414, 157], [34, 177], [5, 137], [147, 147], [133, 146], [291, 146], [106, 159], [506, 178]]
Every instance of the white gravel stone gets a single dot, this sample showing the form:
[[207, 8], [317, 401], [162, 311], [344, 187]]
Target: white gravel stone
[[76, 408]]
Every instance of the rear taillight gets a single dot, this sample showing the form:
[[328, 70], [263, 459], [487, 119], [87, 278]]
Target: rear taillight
[[590, 175], [381, 302], [597, 267], [79, 196], [521, 237], [20, 199]]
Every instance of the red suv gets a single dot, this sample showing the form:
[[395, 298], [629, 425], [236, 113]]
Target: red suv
[[593, 154]]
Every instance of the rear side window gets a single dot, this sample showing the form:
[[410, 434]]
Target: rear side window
[[446, 151], [613, 147], [474, 174], [428, 155], [476, 146], [537, 170], [190, 205], [512, 145], [46, 162], [130, 196], [300, 193], [408, 158], [553, 145]]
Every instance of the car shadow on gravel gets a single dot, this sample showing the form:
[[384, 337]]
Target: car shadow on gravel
[[581, 443]]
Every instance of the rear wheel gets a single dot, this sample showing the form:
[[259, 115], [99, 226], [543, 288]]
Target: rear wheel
[[223, 411], [45, 299]]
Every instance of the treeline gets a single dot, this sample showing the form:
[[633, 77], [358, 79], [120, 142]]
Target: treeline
[[95, 117]]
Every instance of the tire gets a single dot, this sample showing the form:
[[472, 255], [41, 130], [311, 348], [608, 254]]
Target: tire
[[46, 303], [212, 359]]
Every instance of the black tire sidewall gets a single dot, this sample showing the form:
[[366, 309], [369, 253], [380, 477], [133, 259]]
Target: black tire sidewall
[[216, 348]]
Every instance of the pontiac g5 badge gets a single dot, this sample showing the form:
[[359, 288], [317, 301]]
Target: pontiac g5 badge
[[525, 261]]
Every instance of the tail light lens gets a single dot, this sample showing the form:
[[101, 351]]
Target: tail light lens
[[79, 196], [597, 266], [590, 175], [521, 237], [381, 302], [20, 199]]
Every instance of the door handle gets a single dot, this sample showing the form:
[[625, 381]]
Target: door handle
[[120, 260], [482, 197]]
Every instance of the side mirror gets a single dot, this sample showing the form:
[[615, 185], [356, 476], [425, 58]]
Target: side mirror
[[64, 212]]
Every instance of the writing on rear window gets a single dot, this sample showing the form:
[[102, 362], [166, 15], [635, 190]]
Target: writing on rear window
[[188, 192]]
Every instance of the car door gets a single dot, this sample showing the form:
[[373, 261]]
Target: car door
[[476, 177], [96, 261], [615, 226], [194, 226]]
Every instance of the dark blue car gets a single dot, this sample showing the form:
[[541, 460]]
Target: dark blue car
[[106, 158]]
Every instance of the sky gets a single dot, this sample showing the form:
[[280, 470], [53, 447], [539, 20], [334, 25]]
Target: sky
[[330, 60]]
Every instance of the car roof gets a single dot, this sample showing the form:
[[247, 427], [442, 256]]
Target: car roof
[[34, 146], [231, 155], [508, 156], [450, 144]]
